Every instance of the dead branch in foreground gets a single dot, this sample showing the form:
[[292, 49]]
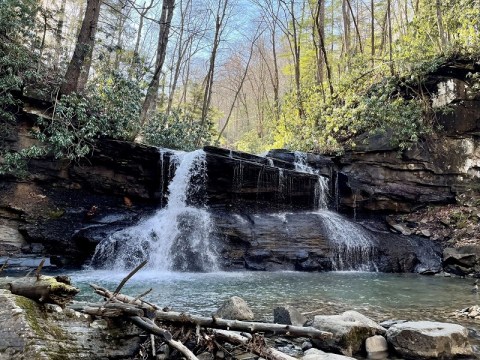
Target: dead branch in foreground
[[207, 332]]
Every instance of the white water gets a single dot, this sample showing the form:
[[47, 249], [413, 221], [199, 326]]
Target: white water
[[321, 188], [176, 237], [353, 247]]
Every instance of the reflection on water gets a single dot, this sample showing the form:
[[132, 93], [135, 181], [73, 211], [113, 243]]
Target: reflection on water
[[378, 295]]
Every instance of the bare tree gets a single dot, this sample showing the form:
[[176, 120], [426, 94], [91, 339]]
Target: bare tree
[[240, 85], [221, 16], [153, 87]]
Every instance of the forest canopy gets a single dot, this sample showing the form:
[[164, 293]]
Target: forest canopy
[[246, 74]]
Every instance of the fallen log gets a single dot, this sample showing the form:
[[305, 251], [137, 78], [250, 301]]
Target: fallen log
[[150, 327], [124, 298], [44, 289], [255, 345], [113, 310], [248, 326]]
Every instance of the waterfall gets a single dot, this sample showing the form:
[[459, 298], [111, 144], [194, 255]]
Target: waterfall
[[321, 187], [176, 237], [353, 248]]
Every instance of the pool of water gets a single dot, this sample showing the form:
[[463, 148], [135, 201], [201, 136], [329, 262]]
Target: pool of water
[[379, 295]]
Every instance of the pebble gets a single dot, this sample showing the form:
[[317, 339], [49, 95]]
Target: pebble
[[306, 345]]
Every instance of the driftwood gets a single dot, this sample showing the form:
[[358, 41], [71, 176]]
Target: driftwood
[[44, 289], [137, 311], [256, 345], [124, 298], [209, 332], [248, 326]]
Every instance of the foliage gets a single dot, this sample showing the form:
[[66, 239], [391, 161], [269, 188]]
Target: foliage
[[177, 131], [16, 64], [119, 99], [110, 109]]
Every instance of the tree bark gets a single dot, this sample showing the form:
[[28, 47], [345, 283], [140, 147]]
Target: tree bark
[[79, 67]]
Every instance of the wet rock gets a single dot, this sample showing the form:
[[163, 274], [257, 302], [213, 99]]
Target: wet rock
[[376, 347], [288, 315], [306, 345], [316, 354], [472, 312], [389, 323], [350, 329], [429, 340], [235, 308]]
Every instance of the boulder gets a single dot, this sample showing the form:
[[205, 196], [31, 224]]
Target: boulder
[[349, 329], [389, 323], [315, 354], [461, 261], [376, 347], [235, 308], [288, 315], [429, 340], [31, 331]]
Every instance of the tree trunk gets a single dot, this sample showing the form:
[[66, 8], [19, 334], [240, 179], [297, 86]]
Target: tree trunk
[[44, 289], [79, 66], [355, 24], [183, 47], [165, 21], [441, 30], [372, 31], [346, 30], [59, 32], [390, 51], [208, 82], [320, 25]]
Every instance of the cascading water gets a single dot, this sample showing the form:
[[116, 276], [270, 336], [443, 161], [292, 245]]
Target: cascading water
[[353, 248], [177, 237]]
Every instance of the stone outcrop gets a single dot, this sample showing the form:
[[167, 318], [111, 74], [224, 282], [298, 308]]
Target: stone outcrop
[[301, 241], [350, 330], [462, 261], [377, 176], [31, 331], [62, 210], [429, 340]]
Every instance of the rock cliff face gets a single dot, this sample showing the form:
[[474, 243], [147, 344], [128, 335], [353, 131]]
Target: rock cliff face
[[261, 206]]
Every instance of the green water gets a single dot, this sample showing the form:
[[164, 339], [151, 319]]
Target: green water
[[378, 295]]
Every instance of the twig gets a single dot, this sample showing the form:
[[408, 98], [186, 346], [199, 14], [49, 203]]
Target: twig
[[4, 266], [39, 268], [141, 295], [133, 272]]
